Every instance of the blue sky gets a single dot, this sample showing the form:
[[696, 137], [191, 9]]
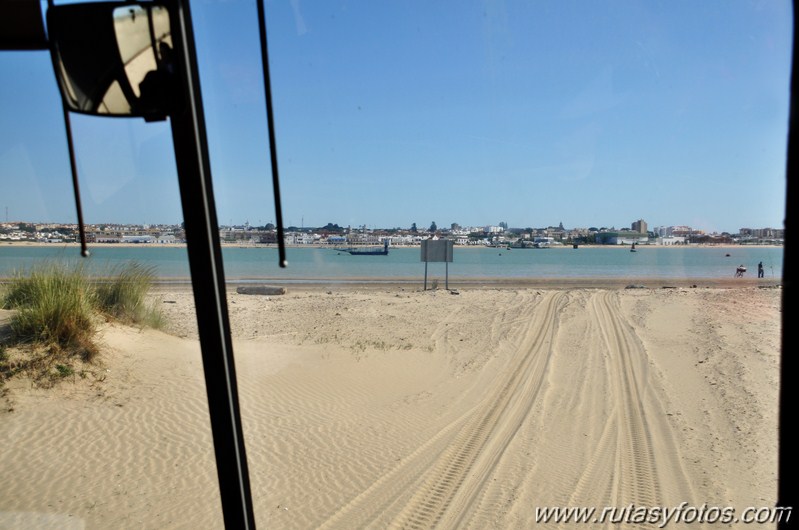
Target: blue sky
[[390, 113]]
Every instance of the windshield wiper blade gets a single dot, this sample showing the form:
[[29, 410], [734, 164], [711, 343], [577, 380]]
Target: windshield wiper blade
[[84, 249], [281, 244]]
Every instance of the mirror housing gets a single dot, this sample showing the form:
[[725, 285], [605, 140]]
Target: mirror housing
[[114, 58], [22, 26]]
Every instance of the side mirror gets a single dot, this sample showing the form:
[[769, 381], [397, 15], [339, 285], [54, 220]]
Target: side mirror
[[114, 59]]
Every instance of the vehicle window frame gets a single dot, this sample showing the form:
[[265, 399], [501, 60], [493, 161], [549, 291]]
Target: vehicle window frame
[[208, 281]]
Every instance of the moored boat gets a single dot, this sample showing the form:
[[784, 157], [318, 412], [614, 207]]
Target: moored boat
[[367, 251]]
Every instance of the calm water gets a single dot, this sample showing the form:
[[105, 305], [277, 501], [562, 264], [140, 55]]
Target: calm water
[[403, 263]]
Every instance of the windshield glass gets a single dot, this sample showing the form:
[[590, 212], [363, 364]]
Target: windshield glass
[[598, 190], [104, 411]]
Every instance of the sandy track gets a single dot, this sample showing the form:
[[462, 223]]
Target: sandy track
[[399, 409], [634, 458], [641, 469], [448, 471]]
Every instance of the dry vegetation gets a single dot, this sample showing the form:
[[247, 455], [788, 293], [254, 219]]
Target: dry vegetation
[[51, 334]]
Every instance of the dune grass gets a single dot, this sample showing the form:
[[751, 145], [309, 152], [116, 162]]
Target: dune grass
[[54, 307], [124, 296], [58, 305]]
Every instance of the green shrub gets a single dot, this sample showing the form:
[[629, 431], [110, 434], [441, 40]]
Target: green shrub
[[124, 296], [64, 370], [54, 306]]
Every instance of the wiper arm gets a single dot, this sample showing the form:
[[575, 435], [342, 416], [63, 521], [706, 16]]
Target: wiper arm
[[84, 250], [281, 244]]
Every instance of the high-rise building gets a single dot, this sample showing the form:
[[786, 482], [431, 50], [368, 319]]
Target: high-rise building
[[639, 226]]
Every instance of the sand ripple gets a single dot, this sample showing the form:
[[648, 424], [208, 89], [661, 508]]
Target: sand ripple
[[411, 409]]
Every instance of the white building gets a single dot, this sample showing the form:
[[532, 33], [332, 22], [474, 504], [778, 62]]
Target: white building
[[671, 240], [138, 239]]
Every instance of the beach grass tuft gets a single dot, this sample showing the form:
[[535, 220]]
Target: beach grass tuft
[[124, 296], [57, 307], [54, 307]]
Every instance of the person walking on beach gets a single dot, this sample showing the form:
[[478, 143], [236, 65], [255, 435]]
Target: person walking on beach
[[760, 273]]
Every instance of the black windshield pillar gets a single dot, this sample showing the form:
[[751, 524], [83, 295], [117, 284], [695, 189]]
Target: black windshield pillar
[[786, 495], [208, 282]]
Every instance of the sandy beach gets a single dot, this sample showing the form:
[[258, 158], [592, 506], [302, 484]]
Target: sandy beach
[[389, 406]]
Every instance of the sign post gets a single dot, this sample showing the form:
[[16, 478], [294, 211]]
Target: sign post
[[437, 250]]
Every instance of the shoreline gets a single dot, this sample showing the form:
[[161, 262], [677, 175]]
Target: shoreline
[[414, 284], [563, 246], [402, 283]]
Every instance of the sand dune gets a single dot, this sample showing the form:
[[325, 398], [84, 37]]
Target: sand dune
[[400, 408]]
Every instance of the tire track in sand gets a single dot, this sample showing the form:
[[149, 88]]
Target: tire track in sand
[[637, 460], [436, 485]]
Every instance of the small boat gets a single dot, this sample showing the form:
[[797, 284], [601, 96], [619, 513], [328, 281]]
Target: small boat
[[632, 248], [367, 251]]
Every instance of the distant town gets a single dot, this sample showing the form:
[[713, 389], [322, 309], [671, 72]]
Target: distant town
[[333, 234]]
